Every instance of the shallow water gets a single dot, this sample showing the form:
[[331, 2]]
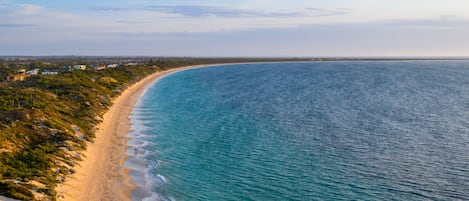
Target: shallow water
[[395, 130]]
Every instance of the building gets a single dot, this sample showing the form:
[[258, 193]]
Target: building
[[132, 64], [19, 76], [112, 66], [33, 72], [80, 67], [67, 68], [49, 73], [100, 67]]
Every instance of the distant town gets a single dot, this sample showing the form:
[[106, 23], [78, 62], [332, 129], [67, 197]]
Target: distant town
[[23, 73], [19, 68]]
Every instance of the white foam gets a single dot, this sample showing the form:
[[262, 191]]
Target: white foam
[[147, 153], [145, 143], [138, 142], [149, 180], [158, 197], [154, 197], [163, 179]]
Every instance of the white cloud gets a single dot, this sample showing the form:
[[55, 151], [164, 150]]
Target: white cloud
[[163, 19], [28, 9], [170, 19], [209, 18], [4, 3], [37, 26]]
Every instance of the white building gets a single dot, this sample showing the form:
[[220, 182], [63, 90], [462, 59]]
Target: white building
[[80, 67], [132, 64], [112, 66], [49, 73], [33, 72]]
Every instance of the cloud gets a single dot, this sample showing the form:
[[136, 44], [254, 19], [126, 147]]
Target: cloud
[[143, 19], [438, 23], [4, 3], [352, 39], [28, 9], [29, 15], [319, 12], [229, 12], [244, 30], [16, 25], [196, 30]]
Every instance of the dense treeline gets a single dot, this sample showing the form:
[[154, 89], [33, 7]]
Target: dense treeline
[[45, 121]]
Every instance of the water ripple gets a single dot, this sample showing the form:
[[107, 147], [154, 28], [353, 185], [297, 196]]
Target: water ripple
[[310, 131]]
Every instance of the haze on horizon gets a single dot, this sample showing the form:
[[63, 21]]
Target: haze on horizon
[[303, 28]]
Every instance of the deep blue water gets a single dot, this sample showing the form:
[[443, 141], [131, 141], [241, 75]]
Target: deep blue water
[[395, 130]]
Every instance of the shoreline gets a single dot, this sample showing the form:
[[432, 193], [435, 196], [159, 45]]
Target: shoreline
[[101, 175]]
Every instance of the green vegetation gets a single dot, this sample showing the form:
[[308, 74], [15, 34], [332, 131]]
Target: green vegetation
[[4, 72], [46, 120]]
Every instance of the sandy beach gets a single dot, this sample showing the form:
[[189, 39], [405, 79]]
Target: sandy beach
[[101, 175]]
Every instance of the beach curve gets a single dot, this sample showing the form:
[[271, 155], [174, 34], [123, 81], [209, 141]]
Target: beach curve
[[101, 175]]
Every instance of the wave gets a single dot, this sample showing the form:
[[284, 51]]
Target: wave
[[138, 152], [336, 130]]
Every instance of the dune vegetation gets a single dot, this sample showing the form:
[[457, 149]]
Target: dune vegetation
[[46, 120]]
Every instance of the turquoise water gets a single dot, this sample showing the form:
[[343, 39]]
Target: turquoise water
[[395, 130]]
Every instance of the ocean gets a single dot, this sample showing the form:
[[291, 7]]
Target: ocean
[[358, 130]]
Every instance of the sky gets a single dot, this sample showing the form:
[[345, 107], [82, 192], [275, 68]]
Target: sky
[[235, 28]]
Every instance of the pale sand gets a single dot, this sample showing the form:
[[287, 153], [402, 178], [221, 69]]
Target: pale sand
[[101, 175]]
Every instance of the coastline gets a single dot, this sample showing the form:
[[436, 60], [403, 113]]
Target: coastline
[[102, 174]]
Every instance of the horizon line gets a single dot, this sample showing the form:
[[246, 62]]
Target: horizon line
[[251, 57]]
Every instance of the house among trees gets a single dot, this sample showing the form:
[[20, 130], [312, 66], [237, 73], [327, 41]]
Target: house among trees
[[49, 73], [33, 72], [21, 71], [80, 67], [67, 68], [19, 76], [103, 66], [132, 64], [112, 66], [100, 67]]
